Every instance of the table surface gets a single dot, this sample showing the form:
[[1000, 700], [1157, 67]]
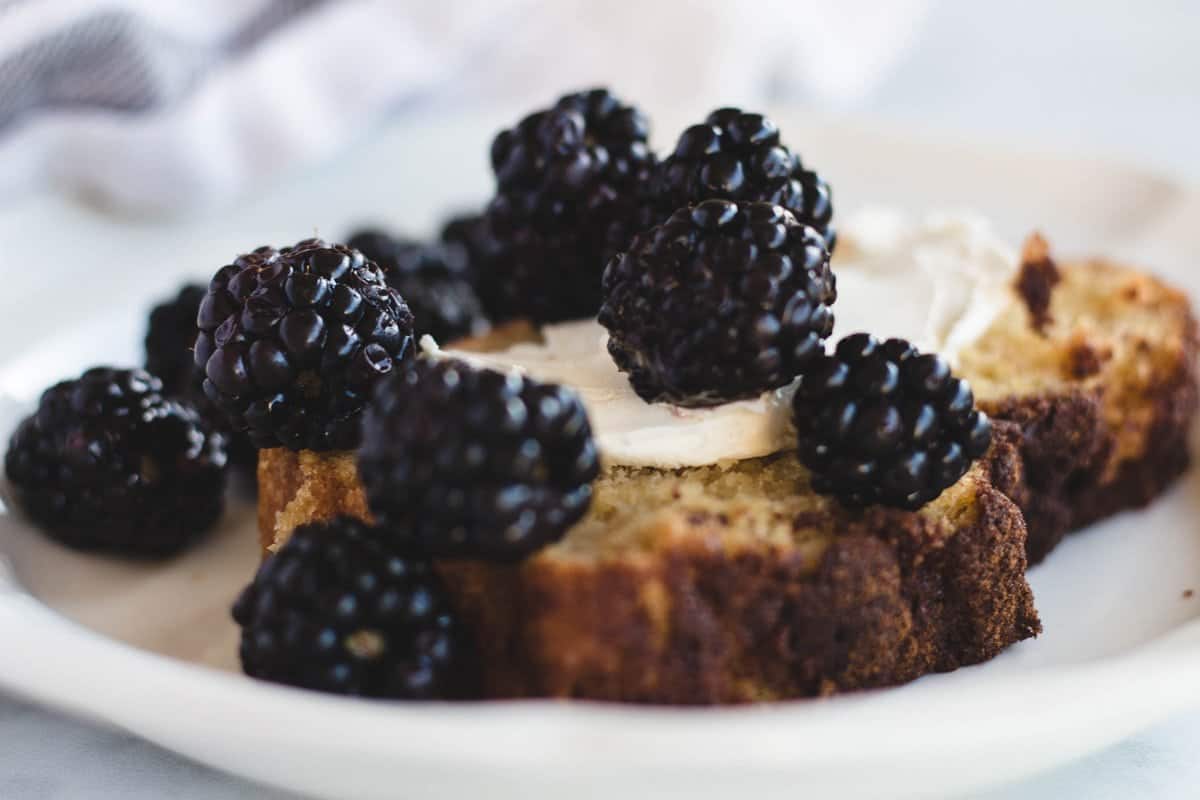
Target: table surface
[[1124, 87]]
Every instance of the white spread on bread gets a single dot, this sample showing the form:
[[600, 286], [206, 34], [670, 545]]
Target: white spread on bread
[[939, 284]]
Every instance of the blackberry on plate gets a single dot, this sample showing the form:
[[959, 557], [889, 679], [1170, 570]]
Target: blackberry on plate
[[473, 463], [721, 302], [471, 233], [170, 338], [572, 185], [736, 155], [881, 423], [335, 611], [432, 279], [107, 463], [292, 342]]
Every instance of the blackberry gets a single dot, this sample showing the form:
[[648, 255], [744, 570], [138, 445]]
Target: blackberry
[[473, 463], [881, 423], [723, 301], [292, 342], [432, 280], [472, 234], [735, 155], [170, 338], [335, 611], [572, 186], [107, 463]]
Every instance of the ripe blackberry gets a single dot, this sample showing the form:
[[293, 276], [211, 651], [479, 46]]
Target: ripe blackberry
[[292, 342], [571, 192], [472, 234], [723, 301], [881, 423], [106, 463], [464, 462], [335, 611], [170, 339], [432, 280], [736, 155]]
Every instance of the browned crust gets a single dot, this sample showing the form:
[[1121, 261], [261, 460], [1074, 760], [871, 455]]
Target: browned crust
[[1064, 444]]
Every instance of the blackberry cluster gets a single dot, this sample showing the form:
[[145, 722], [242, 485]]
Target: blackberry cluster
[[293, 341], [464, 462], [571, 192], [335, 611], [881, 423], [723, 301], [735, 155], [432, 279], [170, 339], [106, 463]]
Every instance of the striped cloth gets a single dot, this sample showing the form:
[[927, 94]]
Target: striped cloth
[[164, 105]]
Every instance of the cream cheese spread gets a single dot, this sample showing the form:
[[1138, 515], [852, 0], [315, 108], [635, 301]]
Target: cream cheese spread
[[939, 283]]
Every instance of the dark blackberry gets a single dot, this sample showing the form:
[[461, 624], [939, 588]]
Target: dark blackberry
[[292, 342], [335, 611], [106, 463], [738, 156], [464, 462], [170, 338], [881, 423], [472, 234], [432, 280], [723, 301], [571, 192]]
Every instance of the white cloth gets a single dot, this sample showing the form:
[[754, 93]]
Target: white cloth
[[164, 105]]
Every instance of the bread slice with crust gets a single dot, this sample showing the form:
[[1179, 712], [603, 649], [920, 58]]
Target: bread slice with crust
[[714, 585], [1096, 366], [720, 585]]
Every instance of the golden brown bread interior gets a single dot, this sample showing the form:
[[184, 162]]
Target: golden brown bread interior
[[725, 585]]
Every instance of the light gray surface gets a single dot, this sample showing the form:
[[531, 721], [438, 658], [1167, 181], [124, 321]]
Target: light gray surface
[[1098, 77]]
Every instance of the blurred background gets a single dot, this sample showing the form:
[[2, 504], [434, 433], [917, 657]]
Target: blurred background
[[165, 106], [187, 110]]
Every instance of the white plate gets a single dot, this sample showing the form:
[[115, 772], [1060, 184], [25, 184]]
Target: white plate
[[151, 648]]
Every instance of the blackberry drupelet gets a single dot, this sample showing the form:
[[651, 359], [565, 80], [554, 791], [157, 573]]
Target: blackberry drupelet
[[881, 423], [170, 338], [292, 342], [736, 155], [106, 463], [432, 279], [722, 302], [335, 611], [473, 463], [572, 185]]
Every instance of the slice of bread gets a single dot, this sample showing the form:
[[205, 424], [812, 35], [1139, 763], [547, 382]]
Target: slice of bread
[[715, 585], [1097, 368]]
